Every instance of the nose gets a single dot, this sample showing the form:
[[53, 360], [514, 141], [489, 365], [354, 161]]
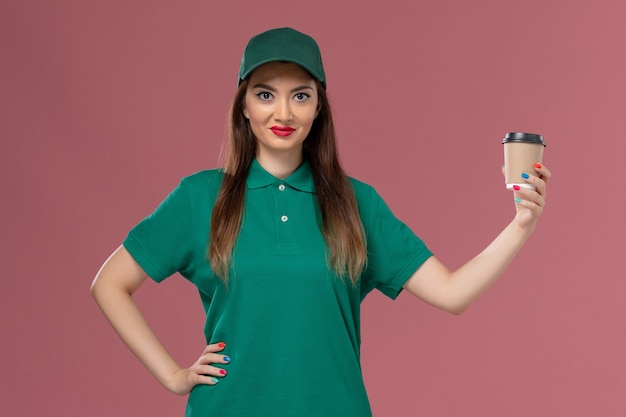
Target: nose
[[282, 111]]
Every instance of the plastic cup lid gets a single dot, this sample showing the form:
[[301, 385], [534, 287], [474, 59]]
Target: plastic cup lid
[[524, 137]]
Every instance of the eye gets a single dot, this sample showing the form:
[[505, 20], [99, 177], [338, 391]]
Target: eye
[[301, 96], [264, 95]]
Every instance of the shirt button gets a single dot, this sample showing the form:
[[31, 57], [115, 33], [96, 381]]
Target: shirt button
[[281, 187], [284, 218]]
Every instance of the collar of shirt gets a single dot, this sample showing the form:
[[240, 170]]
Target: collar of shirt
[[301, 179]]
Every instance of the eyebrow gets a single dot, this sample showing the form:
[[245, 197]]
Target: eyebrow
[[293, 90]]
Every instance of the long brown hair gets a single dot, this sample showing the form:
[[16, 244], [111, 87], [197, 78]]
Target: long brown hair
[[341, 224]]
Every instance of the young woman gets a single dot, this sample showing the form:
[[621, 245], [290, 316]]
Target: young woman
[[283, 247]]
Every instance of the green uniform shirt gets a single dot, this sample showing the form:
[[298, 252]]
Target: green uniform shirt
[[291, 326]]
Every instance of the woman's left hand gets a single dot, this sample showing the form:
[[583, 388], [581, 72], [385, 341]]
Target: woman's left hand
[[455, 291], [529, 203]]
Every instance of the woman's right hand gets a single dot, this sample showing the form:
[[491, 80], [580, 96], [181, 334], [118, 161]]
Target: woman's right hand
[[112, 288], [202, 371]]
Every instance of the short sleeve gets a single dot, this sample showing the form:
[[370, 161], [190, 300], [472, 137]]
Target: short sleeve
[[161, 242], [394, 251]]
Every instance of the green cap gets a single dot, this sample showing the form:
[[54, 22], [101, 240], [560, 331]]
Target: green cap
[[283, 44]]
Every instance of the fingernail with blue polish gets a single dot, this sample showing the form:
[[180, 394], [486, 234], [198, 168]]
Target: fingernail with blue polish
[[226, 358], [518, 200], [524, 175], [215, 380]]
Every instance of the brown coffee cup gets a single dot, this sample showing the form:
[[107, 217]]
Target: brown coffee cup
[[521, 152]]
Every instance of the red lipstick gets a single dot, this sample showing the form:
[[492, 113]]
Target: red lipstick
[[282, 130]]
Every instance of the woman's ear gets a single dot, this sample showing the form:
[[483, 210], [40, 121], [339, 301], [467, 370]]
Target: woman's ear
[[245, 113]]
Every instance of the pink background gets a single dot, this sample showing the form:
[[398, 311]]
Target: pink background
[[105, 105]]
